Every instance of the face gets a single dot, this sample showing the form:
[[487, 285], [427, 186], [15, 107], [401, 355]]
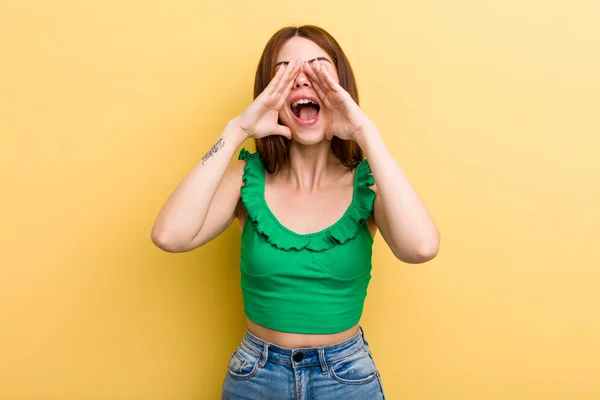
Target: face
[[304, 113]]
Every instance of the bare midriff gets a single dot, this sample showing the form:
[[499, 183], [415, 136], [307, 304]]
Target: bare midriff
[[298, 340]]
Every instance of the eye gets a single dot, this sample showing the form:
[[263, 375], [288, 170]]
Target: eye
[[279, 64]]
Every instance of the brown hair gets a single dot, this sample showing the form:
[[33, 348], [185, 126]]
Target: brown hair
[[274, 150]]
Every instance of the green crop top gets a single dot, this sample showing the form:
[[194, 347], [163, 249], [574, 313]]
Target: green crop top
[[313, 283]]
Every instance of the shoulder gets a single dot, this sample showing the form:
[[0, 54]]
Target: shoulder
[[247, 174], [366, 185], [239, 168]]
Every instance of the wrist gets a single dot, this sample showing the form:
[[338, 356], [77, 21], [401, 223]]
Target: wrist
[[366, 133], [234, 133]]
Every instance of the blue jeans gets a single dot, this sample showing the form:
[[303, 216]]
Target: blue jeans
[[259, 370]]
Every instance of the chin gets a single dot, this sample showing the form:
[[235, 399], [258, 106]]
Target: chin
[[308, 138]]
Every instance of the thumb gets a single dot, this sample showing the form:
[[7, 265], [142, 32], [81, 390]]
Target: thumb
[[283, 131]]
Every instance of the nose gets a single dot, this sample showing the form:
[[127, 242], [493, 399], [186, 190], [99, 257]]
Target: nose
[[301, 81]]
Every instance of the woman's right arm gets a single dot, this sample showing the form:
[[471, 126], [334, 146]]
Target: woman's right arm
[[204, 204]]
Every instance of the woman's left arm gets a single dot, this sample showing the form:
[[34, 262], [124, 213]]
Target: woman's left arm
[[403, 220], [400, 215]]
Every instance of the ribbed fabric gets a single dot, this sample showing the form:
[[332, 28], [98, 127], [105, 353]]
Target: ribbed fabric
[[314, 283]]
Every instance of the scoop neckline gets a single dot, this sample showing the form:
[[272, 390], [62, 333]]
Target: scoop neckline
[[318, 233]]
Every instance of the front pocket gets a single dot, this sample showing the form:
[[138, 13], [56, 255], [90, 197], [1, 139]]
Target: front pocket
[[356, 369], [236, 363], [243, 364]]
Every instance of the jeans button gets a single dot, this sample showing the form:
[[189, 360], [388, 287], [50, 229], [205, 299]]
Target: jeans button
[[298, 356]]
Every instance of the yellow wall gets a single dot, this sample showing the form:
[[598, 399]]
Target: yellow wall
[[492, 109]]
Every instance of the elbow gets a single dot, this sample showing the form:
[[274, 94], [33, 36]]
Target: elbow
[[167, 242], [422, 252], [428, 251]]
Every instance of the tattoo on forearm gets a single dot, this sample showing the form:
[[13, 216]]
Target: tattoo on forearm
[[220, 143]]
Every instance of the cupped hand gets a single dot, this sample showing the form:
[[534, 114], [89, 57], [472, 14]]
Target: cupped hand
[[348, 121], [260, 119]]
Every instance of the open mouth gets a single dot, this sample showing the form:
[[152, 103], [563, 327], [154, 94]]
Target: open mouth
[[305, 110]]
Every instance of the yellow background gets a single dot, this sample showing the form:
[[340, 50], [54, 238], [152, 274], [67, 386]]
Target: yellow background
[[491, 108]]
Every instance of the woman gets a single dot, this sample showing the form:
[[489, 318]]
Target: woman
[[308, 208]]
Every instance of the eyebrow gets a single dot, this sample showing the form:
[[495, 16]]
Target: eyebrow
[[309, 61]]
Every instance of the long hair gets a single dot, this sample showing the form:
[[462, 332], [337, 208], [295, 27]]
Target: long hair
[[274, 150]]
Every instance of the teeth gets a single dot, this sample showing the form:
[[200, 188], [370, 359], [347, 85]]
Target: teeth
[[303, 101]]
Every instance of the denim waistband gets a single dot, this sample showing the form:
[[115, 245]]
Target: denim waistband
[[304, 356]]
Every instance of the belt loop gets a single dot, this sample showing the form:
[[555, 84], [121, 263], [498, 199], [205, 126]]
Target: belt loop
[[322, 361], [264, 356], [362, 333]]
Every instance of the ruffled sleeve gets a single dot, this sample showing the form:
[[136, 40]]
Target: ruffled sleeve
[[266, 224], [361, 207]]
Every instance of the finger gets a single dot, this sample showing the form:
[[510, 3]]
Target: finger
[[320, 92], [284, 131], [293, 75], [314, 80], [326, 78], [311, 72], [282, 92], [292, 69], [272, 86]]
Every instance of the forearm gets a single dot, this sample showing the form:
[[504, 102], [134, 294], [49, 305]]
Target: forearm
[[184, 213], [411, 231]]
